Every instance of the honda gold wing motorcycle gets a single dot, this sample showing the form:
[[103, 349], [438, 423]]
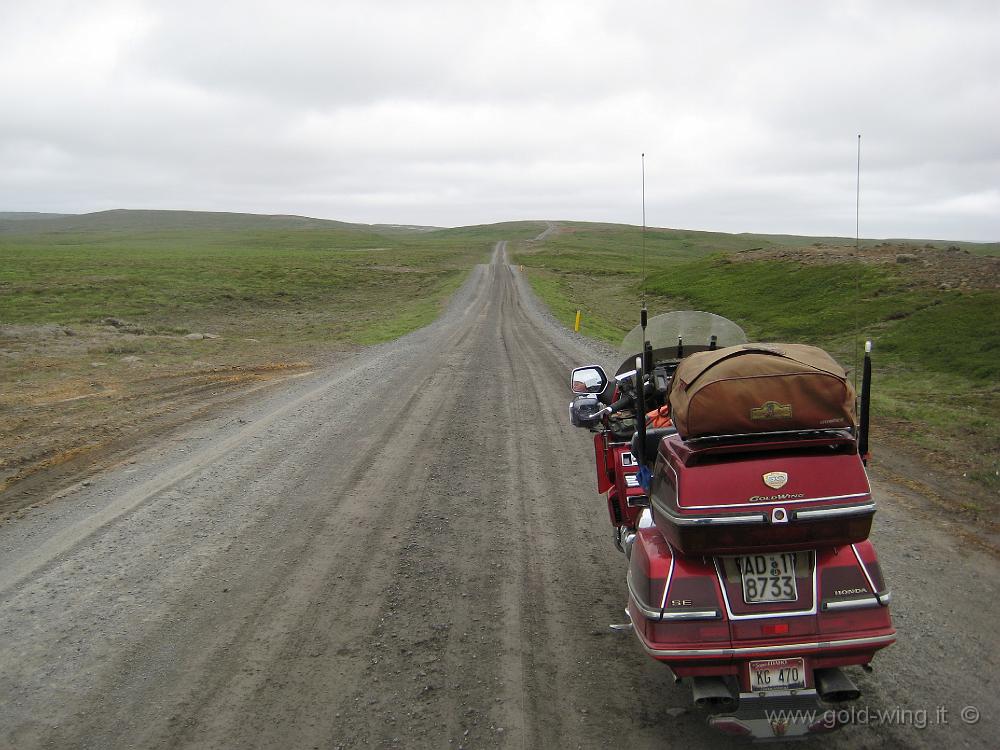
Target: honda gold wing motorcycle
[[735, 482]]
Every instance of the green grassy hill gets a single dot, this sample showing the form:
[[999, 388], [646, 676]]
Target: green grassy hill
[[121, 220], [282, 277], [6, 216]]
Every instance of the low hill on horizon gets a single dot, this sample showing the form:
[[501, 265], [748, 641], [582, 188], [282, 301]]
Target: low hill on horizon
[[142, 220], [162, 220], [29, 215]]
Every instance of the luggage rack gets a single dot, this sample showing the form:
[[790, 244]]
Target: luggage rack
[[837, 439], [838, 434]]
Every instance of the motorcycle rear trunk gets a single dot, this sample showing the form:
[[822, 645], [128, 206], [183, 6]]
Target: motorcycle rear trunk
[[761, 493]]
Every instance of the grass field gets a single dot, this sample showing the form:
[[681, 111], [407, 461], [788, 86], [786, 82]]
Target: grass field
[[108, 319], [930, 308], [311, 284], [266, 292]]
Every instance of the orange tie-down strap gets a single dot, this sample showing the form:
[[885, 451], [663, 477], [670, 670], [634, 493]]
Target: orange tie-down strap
[[659, 417]]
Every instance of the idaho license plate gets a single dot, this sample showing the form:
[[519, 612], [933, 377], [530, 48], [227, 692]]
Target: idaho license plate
[[777, 674], [768, 578]]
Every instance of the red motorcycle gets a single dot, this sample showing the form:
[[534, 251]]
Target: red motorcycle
[[750, 571]]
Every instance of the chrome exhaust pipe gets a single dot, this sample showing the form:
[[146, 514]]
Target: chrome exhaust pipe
[[834, 686], [712, 692]]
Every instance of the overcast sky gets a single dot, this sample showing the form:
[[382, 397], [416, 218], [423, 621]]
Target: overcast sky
[[461, 112]]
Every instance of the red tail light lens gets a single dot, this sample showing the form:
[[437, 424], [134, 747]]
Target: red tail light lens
[[731, 726], [778, 629], [684, 633]]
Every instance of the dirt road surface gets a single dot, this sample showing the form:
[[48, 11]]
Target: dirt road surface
[[407, 550]]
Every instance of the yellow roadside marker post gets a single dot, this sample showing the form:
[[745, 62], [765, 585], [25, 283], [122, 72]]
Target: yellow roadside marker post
[[577, 326]]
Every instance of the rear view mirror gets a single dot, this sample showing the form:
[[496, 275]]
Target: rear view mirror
[[590, 379]]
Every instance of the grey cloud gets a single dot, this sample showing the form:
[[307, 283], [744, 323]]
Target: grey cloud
[[324, 55], [457, 112]]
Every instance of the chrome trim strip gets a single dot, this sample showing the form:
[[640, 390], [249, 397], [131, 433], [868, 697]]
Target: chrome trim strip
[[677, 483], [670, 578], [649, 614], [868, 601], [777, 649], [864, 569], [851, 510], [818, 432], [765, 696], [636, 501], [884, 597], [694, 614], [761, 615], [776, 502], [707, 520]]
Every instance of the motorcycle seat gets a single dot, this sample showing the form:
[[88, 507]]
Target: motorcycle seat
[[653, 437]]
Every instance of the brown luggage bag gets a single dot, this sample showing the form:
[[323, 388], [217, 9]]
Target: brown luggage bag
[[760, 388]]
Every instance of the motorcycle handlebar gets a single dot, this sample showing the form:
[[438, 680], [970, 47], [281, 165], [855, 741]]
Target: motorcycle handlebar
[[620, 404], [615, 407]]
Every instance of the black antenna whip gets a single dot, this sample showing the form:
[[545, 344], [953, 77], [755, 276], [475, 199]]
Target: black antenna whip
[[857, 202], [644, 230], [857, 258]]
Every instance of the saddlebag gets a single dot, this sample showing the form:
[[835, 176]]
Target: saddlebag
[[760, 388]]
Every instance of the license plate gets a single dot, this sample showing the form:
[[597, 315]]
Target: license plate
[[768, 578], [777, 674]]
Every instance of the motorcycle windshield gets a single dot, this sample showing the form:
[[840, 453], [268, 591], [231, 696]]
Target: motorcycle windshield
[[693, 327]]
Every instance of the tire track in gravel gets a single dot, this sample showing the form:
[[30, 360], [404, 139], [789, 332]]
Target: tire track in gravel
[[578, 583]]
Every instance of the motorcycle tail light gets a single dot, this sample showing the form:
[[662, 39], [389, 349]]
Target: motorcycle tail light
[[688, 632], [871, 618], [731, 726]]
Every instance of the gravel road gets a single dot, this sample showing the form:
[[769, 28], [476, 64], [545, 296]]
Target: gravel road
[[407, 549]]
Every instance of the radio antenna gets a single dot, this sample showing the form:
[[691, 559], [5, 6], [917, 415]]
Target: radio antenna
[[857, 259], [857, 203], [644, 232]]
